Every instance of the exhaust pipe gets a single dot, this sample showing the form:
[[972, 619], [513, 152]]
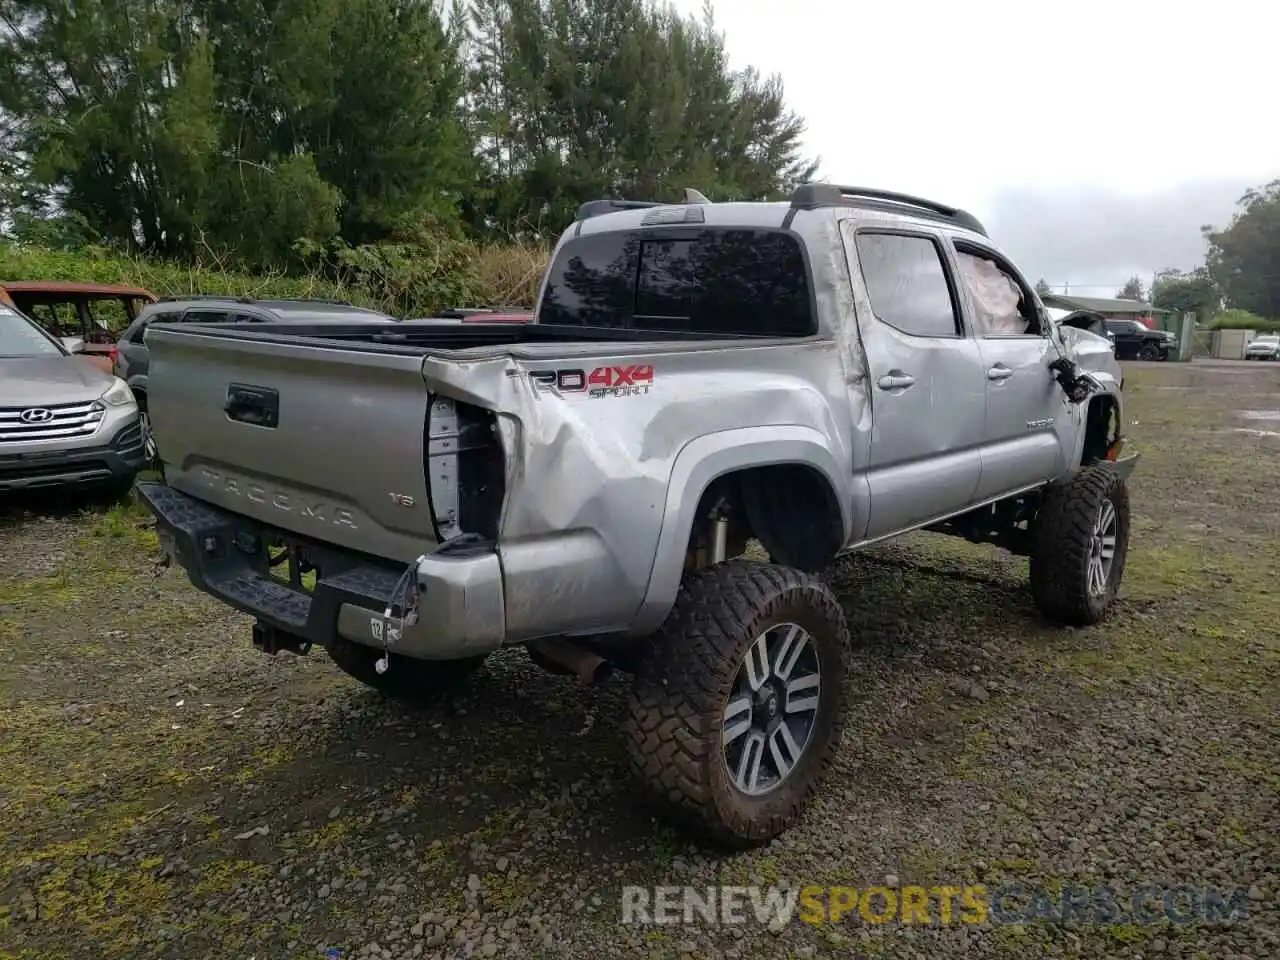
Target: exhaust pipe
[[566, 657]]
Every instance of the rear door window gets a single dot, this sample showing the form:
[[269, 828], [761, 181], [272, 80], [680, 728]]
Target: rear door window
[[709, 281], [141, 328], [907, 284], [206, 316]]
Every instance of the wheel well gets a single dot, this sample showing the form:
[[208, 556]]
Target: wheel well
[[789, 508], [1102, 429]]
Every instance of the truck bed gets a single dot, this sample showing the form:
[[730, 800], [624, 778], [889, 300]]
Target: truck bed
[[410, 337], [380, 438]]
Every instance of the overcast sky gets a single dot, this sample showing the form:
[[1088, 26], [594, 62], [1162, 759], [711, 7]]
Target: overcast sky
[[1093, 138]]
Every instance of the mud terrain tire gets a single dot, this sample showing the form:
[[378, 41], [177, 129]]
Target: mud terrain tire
[[694, 673], [1069, 580]]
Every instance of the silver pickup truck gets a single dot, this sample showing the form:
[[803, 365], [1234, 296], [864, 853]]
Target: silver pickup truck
[[814, 376]]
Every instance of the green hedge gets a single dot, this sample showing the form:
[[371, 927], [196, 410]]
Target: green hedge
[[1242, 320], [402, 280]]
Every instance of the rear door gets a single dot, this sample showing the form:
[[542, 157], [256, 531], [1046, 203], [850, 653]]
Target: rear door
[[1027, 419], [929, 395]]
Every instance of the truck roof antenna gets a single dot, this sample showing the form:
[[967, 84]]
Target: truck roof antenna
[[693, 196]]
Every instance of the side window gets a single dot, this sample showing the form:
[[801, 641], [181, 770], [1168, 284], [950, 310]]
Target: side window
[[111, 316], [907, 284], [60, 319], [205, 316], [140, 328], [1002, 304]]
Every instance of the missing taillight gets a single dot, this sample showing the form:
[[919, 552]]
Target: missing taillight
[[481, 472], [466, 476]]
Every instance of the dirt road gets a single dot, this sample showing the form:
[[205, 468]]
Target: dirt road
[[168, 792]]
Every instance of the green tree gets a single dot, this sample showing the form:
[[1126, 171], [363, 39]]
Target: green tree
[[581, 99], [1244, 258], [371, 89], [1132, 290], [241, 125], [1042, 288], [1180, 292], [113, 109]]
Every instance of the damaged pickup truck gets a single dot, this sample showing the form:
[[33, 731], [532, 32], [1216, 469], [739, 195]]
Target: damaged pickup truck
[[815, 376]]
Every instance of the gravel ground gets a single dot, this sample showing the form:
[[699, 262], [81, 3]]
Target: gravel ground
[[166, 791]]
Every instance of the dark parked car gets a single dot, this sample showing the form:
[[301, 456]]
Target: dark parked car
[[1135, 341], [133, 359]]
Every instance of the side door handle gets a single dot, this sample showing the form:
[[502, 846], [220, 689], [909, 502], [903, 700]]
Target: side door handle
[[999, 372], [895, 381]]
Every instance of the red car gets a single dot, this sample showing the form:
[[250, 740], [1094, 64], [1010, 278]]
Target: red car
[[86, 317]]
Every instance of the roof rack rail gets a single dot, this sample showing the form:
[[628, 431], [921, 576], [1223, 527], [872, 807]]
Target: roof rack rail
[[233, 298], [598, 208], [329, 300], [811, 195], [199, 296]]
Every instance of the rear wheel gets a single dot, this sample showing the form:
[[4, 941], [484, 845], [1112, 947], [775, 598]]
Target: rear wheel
[[406, 678], [1080, 545], [738, 703]]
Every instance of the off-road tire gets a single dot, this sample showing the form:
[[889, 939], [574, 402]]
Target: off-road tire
[[1148, 352], [407, 678], [1063, 541], [684, 680]]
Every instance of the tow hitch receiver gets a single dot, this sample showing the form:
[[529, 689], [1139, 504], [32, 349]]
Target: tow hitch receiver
[[270, 640]]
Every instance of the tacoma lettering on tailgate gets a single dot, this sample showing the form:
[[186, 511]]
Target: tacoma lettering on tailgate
[[309, 508]]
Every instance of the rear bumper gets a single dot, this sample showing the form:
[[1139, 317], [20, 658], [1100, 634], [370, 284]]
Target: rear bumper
[[460, 610], [116, 461]]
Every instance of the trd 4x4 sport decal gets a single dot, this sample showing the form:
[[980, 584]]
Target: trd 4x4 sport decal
[[610, 381]]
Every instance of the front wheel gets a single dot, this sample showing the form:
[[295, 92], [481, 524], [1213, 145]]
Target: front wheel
[[1148, 352], [738, 703], [1080, 545]]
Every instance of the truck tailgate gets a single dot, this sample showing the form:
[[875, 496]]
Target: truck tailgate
[[322, 442]]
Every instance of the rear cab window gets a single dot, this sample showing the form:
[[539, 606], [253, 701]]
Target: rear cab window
[[714, 281]]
